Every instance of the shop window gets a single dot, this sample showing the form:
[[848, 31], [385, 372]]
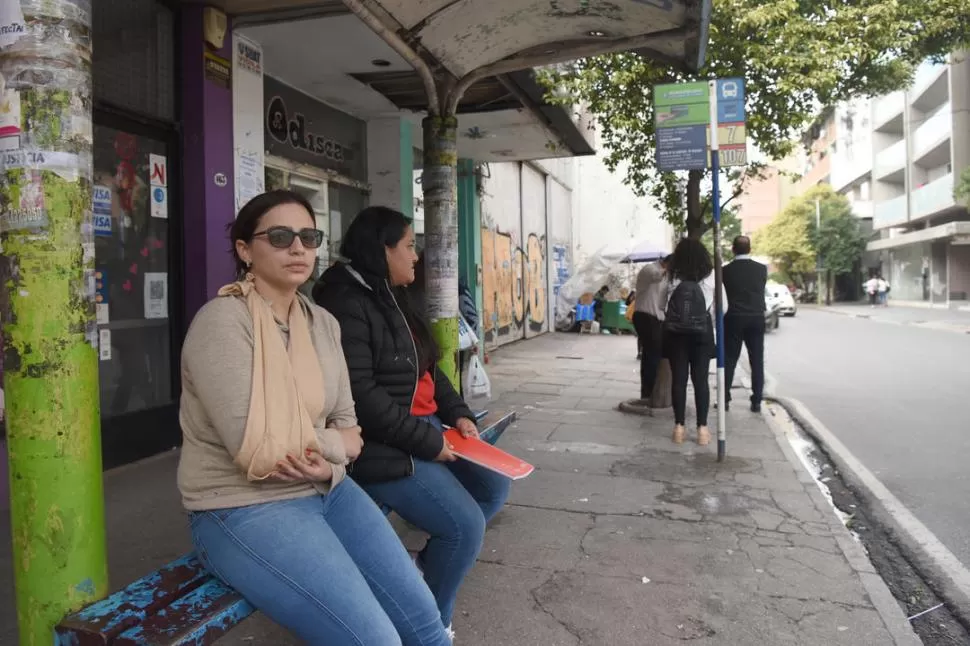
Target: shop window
[[134, 56], [132, 264]]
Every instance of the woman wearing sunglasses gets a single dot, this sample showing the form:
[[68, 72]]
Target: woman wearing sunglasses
[[403, 400], [269, 429]]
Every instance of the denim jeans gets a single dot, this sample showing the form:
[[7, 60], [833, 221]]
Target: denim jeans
[[328, 568], [452, 502]]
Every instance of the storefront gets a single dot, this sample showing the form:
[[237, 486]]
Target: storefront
[[317, 151], [136, 221]]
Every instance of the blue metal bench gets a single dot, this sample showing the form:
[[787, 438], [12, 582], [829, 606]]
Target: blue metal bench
[[181, 604]]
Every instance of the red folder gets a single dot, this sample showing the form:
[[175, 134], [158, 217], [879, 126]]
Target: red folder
[[485, 455]]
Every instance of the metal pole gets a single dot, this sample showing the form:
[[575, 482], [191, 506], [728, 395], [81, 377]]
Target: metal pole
[[718, 277], [47, 301], [818, 254]]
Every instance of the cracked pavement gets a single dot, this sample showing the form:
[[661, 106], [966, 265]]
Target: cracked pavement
[[619, 538], [622, 538]]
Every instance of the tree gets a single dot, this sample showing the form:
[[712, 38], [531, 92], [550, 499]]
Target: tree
[[730, 229], [794, 242], [962, 192], [795, 57], [787, 242]]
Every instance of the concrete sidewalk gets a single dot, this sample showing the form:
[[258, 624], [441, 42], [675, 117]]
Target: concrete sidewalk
[[951, 320], [620, 538]]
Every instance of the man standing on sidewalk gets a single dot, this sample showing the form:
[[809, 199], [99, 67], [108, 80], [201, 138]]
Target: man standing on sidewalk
[[744, 321], [648, 320]]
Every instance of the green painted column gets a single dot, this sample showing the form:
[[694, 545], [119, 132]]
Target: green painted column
[[406, 153], [470, 233], [439, 183], [47, 298]]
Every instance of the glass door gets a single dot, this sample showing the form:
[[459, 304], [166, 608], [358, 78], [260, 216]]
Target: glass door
[[131, 226]]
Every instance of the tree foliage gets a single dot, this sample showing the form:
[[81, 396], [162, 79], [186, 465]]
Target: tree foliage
[[796, 56], [793, 241], [962, 191], [730, 229]]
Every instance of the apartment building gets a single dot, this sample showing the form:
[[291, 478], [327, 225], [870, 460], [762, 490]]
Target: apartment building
[[920, 144]]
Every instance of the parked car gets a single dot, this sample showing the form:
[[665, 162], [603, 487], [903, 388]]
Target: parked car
[[784, 299], [772, 316]]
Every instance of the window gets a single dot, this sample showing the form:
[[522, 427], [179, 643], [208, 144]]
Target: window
[[132, 263]]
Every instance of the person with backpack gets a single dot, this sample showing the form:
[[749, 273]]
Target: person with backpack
[[689, 333]]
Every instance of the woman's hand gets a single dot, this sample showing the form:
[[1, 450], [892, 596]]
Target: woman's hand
[[313, 467], [446, 455], [467, 428], [353, 442]]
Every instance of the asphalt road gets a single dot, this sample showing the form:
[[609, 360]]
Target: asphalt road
[[898, 396]]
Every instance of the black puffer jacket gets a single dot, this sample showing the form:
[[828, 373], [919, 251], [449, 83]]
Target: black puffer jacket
[[382, 361]]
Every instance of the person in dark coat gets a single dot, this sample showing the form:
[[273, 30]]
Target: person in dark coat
[[403, 402], [745, 280]]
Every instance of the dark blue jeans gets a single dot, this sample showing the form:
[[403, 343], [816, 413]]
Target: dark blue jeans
[[452, 502], [329, 568]]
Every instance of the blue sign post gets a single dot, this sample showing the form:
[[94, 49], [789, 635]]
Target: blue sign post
[[700, 125]]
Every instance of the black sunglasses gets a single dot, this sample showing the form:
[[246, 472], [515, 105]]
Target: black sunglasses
[[282, 238]]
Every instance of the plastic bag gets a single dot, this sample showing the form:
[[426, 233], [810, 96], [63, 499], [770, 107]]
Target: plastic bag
[[474, 380], [467, 339]]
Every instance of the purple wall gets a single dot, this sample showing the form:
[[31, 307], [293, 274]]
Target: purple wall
[[207, 152]]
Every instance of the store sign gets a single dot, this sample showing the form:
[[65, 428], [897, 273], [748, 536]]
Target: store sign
[[304, 130]]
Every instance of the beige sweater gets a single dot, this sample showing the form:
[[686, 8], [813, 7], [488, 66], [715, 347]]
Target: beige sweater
[[217, 363]]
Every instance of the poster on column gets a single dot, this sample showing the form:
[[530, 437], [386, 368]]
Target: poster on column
[[249, 177], [156, 295]]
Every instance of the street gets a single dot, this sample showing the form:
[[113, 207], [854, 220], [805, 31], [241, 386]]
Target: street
[[895, 393]]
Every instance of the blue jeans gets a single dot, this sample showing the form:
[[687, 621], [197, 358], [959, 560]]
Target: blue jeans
[[452, 502], [328, 568]]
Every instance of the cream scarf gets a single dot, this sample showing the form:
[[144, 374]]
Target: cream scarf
[[287, 393]]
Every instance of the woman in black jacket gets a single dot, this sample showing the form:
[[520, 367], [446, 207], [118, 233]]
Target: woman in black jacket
[[403, 401]]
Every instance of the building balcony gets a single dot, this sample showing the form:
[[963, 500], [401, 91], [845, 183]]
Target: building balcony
[[889, 164], [930, 87], [889, 213], [862, 209], [887, 113], [934, 198], [931, 140]]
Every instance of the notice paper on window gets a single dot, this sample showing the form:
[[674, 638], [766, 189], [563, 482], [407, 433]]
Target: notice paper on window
[[156, 295]]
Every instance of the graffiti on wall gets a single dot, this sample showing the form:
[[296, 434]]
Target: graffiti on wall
[[513, 286]]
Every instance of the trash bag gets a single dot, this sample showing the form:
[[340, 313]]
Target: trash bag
[[467, 339], [475, 382]]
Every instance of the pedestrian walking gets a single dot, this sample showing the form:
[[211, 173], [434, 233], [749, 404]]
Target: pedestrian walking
[[648, 316], [689, 333], [872, 289], [745, 281], [882, 290]]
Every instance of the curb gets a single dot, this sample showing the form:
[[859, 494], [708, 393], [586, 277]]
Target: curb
[[882, 599], [948, 577]]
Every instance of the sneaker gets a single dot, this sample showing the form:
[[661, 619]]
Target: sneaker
[[755, 407], [450, 633]]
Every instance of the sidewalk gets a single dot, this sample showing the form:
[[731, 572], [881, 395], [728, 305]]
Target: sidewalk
[[620, 538], [926, 317]]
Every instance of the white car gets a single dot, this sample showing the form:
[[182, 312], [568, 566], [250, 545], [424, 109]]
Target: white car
[[781, 295]]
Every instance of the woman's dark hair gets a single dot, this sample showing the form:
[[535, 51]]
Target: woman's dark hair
[[246, 223], [370, 234], [373, 231], [691, 261]]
